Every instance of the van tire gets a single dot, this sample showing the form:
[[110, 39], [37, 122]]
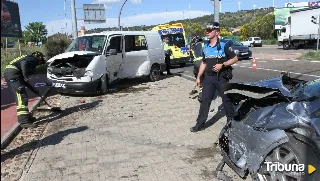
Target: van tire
[[154, 73], [103, 86], [286, 45]]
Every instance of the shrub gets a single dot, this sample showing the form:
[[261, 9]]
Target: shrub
[[313, 55], [270, 42], [56, 44]]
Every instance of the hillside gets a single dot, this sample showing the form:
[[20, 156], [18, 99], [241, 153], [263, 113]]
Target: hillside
[[228, 20]]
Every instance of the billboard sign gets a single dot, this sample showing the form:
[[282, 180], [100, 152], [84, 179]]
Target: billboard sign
[[10, 20], [301, 4], [281, 16], [94, 13]]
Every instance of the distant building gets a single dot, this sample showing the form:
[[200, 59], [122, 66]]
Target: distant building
[[236, 29]]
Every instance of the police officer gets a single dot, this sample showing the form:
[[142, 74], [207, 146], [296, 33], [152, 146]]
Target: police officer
[[168, 53], [218, 57], [16, 75]]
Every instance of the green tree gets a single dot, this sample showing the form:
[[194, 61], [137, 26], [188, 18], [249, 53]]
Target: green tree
[[35, 32], [56, 44]]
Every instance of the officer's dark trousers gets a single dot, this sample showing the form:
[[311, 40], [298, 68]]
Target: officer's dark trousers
[[17, 86], [210, 85], [167, 61]]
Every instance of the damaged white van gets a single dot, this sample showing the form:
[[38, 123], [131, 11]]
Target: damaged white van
[[93, 61]]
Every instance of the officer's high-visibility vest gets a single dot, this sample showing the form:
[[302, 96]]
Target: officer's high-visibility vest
[[165, 46]]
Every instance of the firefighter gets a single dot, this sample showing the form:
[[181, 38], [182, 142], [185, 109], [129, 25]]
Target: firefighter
[[16, 75], [197, 46]]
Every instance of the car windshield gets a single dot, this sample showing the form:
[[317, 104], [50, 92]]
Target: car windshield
[[257, 39], [308, 90], [175, 39], [88, 43]]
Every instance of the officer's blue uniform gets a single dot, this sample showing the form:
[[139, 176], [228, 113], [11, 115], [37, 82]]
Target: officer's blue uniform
[[214, 80]]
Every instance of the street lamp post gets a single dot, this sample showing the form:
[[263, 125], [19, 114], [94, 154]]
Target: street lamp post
[[120, 14]]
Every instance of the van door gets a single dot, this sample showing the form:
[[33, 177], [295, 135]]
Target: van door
[[135, 62], [114, 61]]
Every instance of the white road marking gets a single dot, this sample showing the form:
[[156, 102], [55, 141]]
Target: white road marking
[[297, 73], [315, 61], [262, 61], [279, 59], [295, 60], [244, 63]]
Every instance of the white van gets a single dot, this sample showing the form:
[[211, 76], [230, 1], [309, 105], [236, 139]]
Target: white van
[[93, 61]]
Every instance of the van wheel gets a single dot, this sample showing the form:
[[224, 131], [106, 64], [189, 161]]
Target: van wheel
[[103, 86], [154, 73], [251, 45]]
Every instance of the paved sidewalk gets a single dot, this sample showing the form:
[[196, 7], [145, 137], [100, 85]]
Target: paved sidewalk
[[140, 133]]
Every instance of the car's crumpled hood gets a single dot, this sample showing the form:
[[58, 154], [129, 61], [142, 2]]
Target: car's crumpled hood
[[71, 54], [258, 90]]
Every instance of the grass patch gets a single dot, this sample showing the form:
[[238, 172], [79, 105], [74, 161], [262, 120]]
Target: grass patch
[[312, 55], [270, 42]]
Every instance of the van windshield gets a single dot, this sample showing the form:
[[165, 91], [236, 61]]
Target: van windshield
[[257, 38], [88, 43], [175, 39]]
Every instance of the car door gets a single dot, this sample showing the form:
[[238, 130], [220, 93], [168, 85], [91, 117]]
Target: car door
[[114, 61], [135, 62]]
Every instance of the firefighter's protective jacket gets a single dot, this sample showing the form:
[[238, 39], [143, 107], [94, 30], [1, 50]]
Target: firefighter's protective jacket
[[22, 67]]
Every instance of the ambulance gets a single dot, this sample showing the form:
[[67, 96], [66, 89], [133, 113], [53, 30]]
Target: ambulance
[[177, 42]]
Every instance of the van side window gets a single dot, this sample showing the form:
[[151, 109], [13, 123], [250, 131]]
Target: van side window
[[135, 43], [115, 43]]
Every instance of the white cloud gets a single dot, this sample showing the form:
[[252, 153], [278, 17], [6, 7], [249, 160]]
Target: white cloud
[[105, 1], [136, 1], [141, 19]]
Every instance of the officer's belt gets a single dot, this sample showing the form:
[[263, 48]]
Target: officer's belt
[[212, 73]]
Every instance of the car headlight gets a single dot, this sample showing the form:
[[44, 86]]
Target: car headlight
[[236, 51], [88, 73]]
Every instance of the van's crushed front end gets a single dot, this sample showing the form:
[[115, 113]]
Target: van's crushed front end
[[71, 72]]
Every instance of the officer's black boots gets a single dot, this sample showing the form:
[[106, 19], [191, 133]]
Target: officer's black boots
[[197, 128]]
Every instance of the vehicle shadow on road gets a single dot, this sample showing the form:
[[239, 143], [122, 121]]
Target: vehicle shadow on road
[[53, 139], [65, 112], [219, 114]]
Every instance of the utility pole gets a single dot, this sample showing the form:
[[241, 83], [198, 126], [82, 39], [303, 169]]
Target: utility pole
[[239, 5], [272, 3], [74, 19], [189, 10], [254, 7], [216, 10]]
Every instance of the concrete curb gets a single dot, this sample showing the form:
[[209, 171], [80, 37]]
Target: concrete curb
[[16, 128]]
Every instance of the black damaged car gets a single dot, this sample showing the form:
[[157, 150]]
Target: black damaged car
[[276, 132]]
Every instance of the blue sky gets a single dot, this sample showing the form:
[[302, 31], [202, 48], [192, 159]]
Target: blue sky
[[135, 12]]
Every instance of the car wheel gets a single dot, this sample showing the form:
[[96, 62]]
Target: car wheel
[[154, 73], [103, 86], [292, 152]]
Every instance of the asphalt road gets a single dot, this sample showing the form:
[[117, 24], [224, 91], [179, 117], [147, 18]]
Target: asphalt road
[[271, 61]]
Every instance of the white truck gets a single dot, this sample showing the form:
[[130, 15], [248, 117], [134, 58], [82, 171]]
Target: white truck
[[299, 30]]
